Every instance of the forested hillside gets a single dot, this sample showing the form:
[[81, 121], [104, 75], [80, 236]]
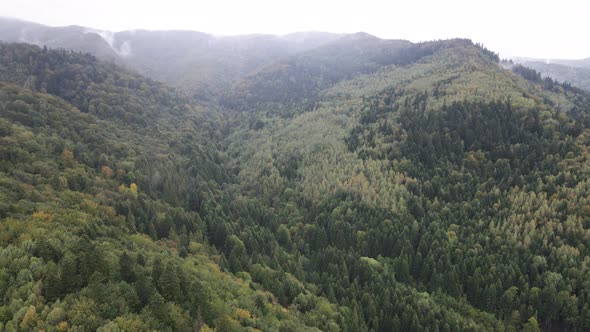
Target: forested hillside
[[360, 185], [105, 206], [453, 173]]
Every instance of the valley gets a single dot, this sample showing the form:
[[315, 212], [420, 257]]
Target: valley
[[177, 181]]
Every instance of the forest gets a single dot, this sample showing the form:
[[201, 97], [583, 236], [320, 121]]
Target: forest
[[362, 185]]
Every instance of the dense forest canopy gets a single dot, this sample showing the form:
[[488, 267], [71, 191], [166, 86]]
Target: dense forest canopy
[[356, 184]]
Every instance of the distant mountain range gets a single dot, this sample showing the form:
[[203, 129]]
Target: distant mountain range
[[207, 65], [576, 72], [196, 61], [580, 63]]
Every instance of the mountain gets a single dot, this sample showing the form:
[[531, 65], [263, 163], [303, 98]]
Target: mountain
[[357, 185], [576, 72], [200, 63], [299, 79], [581, 63], [72, 38], [206, 64], [434, 167], [578, 75]]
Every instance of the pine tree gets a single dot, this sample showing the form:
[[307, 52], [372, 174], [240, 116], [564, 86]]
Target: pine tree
[[52, 284], [531, 326], [126, 268], [169, 283]]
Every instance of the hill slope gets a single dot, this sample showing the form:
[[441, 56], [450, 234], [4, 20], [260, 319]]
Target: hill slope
[[105, 206], [454, 173]]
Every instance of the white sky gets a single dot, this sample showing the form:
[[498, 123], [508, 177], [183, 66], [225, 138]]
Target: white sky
[[542, 28]]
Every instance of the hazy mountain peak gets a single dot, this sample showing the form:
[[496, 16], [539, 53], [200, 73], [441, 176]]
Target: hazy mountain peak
[[361, 35]]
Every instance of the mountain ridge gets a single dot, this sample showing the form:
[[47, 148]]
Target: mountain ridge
[[584, 62]]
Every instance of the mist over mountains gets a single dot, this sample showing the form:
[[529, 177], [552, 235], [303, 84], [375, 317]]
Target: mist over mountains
[[189, 59], [206, 64]]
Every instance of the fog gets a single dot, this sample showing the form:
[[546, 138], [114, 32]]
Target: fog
[[540, 29]]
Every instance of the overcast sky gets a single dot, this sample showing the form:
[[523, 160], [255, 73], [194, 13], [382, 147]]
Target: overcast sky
[[542, 28]]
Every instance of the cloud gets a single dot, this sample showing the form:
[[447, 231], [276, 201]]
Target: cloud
[[26, 38], [124, 50]]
